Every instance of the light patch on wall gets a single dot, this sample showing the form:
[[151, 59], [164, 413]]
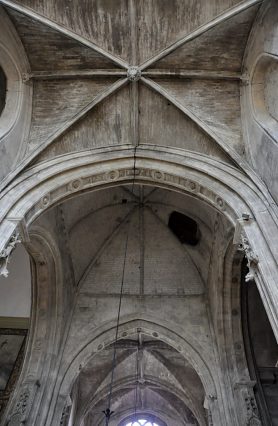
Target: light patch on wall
[[15, 290], [264, 93]]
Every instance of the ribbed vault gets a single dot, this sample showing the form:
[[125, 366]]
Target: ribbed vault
[[126, 68], [128, 114]]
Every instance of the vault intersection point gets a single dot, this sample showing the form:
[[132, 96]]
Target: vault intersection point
[[133, 73]]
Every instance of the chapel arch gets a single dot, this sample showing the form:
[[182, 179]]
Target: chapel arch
[[15, 313], [188, 393], [250, 346], [261, 349], [45, 325]]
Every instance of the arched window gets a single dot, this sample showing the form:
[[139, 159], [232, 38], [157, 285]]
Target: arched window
[[141, 422], [3, 89], [264, 93]]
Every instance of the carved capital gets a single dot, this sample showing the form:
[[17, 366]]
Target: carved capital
[[20, 412], [252, 411]]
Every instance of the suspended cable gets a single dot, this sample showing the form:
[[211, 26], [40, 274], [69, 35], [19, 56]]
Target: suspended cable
[[117, 330], [108, 413], [136, 378]]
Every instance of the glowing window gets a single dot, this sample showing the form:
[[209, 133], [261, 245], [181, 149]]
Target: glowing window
[[141, 422]]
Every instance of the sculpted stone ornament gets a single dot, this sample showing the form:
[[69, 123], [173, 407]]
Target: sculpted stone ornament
[[252, 259], [5, 254], [133, 73], [19, 415], [252, 411], [64, 417], [245, 389], [26, 77]]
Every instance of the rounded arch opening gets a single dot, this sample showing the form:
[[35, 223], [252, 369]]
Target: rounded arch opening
[[166, 402]]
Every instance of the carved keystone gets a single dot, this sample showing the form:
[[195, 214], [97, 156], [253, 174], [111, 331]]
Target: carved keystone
[[133, 73]]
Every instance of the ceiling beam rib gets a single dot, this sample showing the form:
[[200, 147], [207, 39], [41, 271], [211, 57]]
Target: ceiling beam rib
[[134, 89], [65, 31], [201, 30], [72, 74], [231, 152], [197, 74]]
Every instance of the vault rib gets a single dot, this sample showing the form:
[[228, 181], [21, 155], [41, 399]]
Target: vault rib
[[70, 74], [60, 28], [201, 30], [134, 90], [230, 151], [197, 74]]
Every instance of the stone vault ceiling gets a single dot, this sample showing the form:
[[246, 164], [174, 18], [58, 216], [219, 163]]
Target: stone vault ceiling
[[96, 225], [110, 73]]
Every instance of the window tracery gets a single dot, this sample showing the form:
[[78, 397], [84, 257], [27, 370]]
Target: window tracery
[[141, 422]]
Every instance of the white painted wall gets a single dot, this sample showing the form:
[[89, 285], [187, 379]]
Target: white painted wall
[[15, 290]]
